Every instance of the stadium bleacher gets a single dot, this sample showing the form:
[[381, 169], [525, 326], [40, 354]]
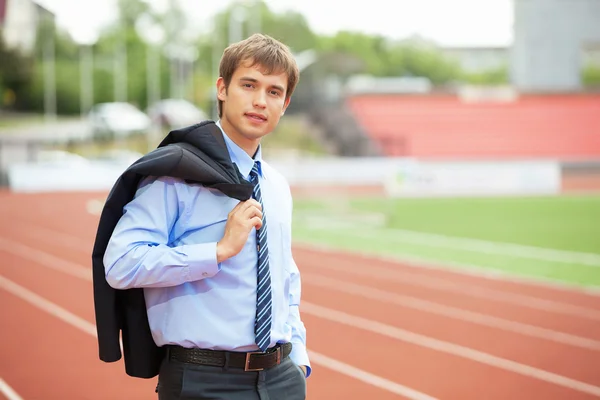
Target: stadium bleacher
[[565, 127]]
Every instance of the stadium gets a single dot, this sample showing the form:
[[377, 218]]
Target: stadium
[[447, 234]]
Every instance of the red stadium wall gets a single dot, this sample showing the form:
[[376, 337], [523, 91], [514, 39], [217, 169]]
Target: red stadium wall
[[566, 127]]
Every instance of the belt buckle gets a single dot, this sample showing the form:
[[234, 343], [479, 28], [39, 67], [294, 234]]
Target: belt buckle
[[246, 365], [278, 352]]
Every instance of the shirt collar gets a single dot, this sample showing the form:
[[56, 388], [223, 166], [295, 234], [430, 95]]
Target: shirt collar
[[238, 156]]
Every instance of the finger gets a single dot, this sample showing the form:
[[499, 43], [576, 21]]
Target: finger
[[254, 203], [251, 212], [244, 206], [237, 207], [256, 222]]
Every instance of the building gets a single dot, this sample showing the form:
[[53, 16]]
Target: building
[[553, 40], [19, 20]]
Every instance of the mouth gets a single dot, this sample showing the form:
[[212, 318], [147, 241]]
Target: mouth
[[256, 117]]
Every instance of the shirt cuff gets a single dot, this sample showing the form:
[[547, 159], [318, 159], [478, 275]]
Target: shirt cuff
[[201, 260], [299, 355]]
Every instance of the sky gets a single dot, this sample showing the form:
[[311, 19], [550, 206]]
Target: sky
[[448, 22]]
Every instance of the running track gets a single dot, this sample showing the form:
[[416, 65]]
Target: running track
[[377, 329]]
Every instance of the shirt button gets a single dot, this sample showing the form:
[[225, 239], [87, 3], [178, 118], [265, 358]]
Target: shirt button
[[258, 247]]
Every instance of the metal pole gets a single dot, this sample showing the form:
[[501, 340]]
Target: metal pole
[[236, 24], [120, 67], [192, 91], [172, 77], [87, 79], [49, 76], [256, 20], [153, 84], [216, 58], [150, 72], [181, 65]]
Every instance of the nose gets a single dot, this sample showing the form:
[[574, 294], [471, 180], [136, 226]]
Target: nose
[[260, 100]]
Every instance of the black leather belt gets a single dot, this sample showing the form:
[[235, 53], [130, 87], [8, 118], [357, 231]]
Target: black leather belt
[[251, 361]]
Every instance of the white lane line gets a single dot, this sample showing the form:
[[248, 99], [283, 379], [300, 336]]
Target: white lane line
[[475, 291], [366, 377], [447, 347], [94, 206], [53, 236], [451, 312], [8, 392], [46, 259], [46, 305], [316, 358]]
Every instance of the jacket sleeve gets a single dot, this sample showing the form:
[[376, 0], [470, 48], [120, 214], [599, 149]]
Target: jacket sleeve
[[138, 255]]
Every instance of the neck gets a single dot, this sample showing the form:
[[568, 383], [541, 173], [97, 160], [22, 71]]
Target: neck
[[248, 145]]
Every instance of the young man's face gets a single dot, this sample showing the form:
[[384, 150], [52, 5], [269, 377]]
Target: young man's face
[[252, 105]]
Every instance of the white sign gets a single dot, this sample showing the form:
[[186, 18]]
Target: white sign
[[474, 178]]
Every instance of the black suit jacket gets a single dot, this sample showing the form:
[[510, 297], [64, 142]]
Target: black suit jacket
[[197, 154]]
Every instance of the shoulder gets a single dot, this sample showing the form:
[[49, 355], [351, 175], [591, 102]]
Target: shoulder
[[157, 185], [160, 181]]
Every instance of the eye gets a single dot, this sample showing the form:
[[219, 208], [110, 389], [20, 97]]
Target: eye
[[248, 85], [275, 92]]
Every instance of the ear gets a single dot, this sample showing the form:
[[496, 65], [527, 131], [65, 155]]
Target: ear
[[221, 89], [285, 105]]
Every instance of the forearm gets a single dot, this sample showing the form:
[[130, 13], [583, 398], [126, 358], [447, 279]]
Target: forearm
[[299, 353], [157, 265]]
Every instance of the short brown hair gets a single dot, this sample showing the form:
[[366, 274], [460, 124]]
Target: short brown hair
[[263, 50]]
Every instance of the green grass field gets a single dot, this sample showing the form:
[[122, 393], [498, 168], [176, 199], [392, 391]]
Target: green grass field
[[555, 238]]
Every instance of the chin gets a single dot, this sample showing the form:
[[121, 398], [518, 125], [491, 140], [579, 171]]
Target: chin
[[256, 132], [254, 135]]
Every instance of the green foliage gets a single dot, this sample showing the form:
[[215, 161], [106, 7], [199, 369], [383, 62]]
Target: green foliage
[[419, 60], [591, 76], [371, 50], [496, 76], [15, 74]]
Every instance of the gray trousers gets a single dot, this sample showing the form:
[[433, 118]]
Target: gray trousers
[[182, 381]]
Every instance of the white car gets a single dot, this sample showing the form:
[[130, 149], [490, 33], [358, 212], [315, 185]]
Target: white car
[[175, 114], [117, 120], [118, 157]]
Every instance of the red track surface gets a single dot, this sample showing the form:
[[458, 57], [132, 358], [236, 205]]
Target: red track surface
[[414, 329]]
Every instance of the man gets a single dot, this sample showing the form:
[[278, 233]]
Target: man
[[221, 288]]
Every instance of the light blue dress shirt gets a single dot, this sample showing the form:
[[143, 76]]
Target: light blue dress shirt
[[165, 243]]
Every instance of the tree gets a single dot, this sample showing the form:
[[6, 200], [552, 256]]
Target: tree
[[16, 71]]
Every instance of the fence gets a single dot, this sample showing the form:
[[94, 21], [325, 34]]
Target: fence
[[392, 176]]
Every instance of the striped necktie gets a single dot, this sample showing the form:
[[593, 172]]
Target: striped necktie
[[262, 326]]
